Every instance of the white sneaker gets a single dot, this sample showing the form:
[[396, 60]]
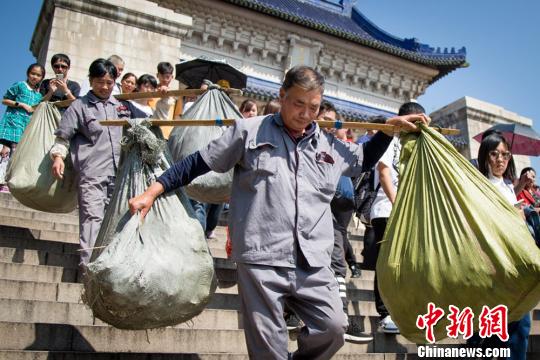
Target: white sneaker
[[388, 326], [354, 335]]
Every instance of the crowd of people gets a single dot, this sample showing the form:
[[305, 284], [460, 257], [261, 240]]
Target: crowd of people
[[287, 225]]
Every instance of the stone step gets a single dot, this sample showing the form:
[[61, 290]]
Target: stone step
[[22, 255], [71, 292], [31, 237], [361, 301], [38, 273], [41, 291], [53, 312], [38, 257], [359, 290], [23, 278], [66, 355], [56, 274], [22, 238], [225, 270], [30, 223], [47, 226], [56, 312], [67, 298], [15, 209], [60, 337], [17, 230], [224, 298]]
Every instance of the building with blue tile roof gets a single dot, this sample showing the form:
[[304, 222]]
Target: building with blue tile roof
[[368, 71]]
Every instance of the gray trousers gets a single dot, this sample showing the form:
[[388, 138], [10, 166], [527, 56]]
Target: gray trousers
[[312, 293], [338, 262], [94, 196]]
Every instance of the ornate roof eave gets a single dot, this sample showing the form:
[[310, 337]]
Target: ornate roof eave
[[445, 70], [444, 62]]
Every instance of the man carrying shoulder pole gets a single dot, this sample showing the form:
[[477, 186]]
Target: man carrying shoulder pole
[[285, 174]]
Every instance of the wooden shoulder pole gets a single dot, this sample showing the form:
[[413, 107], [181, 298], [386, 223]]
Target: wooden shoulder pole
[[154, 94], [229, 122]]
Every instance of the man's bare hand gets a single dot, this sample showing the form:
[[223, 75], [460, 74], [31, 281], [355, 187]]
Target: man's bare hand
[[58, 168], [144, 202], [163, 88], [406, 122]]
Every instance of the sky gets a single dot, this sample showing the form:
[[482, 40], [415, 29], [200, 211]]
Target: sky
[[502, 39]]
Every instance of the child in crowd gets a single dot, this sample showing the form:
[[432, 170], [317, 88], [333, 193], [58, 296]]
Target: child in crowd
[[155, 110], [271, 107], [20, 99], [164, 107], [248, 108], [145, 83], [164, 75]]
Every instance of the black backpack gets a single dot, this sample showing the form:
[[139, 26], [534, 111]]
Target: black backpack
[[364, 194]]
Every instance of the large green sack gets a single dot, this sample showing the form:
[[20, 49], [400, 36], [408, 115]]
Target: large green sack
[[29, 176], [452, 239], [211, 187], [155, 273]]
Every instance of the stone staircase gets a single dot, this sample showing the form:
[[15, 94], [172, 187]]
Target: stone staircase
[[42, 315]]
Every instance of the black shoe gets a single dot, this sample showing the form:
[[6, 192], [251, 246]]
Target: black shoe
[[354, 334], [293, 322], [355, 271]]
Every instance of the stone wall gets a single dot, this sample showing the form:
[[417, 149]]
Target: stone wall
[[472, 117], [265, 47], [139, 31]]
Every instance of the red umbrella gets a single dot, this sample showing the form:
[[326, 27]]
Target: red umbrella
[[523, 139]]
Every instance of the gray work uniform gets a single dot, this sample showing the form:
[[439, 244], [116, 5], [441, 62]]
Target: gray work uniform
[[281, 230], [95, 152]]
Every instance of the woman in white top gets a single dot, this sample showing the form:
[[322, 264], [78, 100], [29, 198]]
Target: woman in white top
[[496, 163]]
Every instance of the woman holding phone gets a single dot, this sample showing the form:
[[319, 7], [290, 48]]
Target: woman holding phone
[[61, 87]]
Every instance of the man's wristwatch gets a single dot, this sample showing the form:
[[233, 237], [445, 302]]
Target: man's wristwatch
[[17, 104]]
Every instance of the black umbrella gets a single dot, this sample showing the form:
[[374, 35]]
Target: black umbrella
[[193, 72]]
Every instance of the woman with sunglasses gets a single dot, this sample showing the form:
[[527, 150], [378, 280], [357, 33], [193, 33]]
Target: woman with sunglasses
[[60, 87], [496, 163]]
